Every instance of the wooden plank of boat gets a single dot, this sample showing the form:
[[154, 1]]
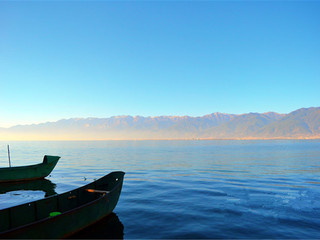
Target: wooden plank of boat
[[70, 212], [31, 172]]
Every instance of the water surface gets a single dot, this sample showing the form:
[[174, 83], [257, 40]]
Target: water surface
[[191, 189]]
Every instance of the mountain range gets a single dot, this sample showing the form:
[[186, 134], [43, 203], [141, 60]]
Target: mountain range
[[303, 123]]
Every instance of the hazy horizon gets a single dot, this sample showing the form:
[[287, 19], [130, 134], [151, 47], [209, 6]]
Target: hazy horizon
[[302, 123]]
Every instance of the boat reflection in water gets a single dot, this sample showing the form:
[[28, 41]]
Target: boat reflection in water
[[109, 227], [44, 185]]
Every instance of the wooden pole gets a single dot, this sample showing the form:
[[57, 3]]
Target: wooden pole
[[9, 156]]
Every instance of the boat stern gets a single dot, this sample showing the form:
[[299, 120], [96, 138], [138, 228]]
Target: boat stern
[[49, 162], [47, 159]]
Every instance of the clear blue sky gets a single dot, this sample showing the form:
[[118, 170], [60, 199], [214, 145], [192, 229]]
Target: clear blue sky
[[106, 58]]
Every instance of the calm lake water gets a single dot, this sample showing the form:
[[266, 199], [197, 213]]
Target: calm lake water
[[190, 189]]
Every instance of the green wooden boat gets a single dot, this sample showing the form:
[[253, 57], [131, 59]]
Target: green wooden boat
[[62, 215], [31, 172]]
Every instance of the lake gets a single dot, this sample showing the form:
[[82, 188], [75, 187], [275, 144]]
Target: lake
[[190, 189]]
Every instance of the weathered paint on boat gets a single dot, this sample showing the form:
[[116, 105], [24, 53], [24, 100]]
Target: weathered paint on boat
[[31, 172], [79, 209]]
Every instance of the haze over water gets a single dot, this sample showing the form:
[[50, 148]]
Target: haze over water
[[192, 189]]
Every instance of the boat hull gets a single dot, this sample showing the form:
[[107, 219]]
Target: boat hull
[[32, 172], [77, 209]]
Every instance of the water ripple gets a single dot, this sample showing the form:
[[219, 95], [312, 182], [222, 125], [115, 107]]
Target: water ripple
[[195, 189]]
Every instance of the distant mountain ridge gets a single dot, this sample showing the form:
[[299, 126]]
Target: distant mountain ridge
[[303, 123]]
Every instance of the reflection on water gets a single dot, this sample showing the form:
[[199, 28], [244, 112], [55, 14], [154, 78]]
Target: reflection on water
[[15, 193], [109, 227], [44, 185]]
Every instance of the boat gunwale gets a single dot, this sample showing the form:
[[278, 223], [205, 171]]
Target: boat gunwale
[[105, 195], [28, 166], [17, 167]]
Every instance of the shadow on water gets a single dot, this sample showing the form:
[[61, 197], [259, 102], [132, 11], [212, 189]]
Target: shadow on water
[[44, 185], [109, 227]]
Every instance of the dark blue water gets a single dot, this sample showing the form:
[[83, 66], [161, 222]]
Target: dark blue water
[[192, 189]]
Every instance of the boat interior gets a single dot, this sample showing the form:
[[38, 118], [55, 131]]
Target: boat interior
[[27, 213]]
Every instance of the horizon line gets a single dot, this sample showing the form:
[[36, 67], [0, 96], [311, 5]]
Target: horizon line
[[168, 139]]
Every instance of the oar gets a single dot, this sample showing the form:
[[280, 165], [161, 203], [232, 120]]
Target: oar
[[9, 156], [96, 191]]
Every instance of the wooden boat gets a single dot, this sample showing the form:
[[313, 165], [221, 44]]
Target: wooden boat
[[31, 172], [62, 215]]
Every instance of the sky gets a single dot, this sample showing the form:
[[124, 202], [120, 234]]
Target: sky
[[65, 59]]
